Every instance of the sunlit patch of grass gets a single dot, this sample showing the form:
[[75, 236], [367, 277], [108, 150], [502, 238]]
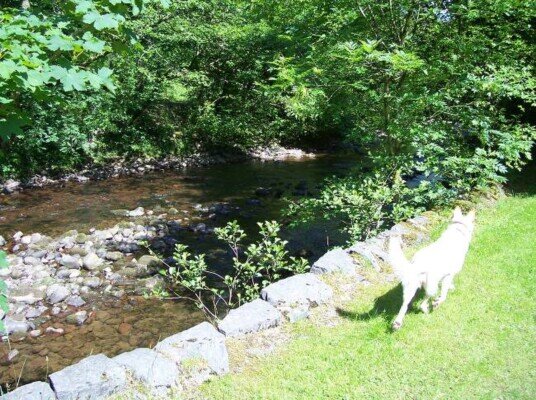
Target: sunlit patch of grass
[[478, 345]]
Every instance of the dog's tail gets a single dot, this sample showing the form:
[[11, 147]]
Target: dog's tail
[[401, 265]]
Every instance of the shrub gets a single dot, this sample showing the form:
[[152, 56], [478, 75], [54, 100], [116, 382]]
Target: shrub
[[257, 266]]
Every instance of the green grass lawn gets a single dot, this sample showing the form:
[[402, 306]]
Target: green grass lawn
[[480, 344]]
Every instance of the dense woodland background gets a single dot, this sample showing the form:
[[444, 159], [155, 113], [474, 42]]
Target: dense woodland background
[[441, 88]]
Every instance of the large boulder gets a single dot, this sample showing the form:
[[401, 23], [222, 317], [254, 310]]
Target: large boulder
[[298, 290], [250, 317], [336, 260], [32, 391], [203, 343], [150, 367], [94, 377]]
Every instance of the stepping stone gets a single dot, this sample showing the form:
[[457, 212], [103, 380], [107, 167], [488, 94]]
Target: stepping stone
[[250, 317], [94, 377], [337, 260], [150, 367], [302, 289], [203, 342], [32, 391]]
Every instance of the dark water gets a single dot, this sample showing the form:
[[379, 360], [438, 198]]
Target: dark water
[[118, 326]]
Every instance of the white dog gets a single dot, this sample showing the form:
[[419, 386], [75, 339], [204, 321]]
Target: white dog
[[436, 264]]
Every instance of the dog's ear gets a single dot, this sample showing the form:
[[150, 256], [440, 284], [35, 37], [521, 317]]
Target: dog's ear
[[457, 213], [471, 215]]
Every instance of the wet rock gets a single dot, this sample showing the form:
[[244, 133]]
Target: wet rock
[[63, 273], [138, 212], [253, 202], [28, 296], [262, 192], [57, 293], [32, 391], [121, 213], [75, 301], [114, 255], [11, 186], [250, 317], [34, 312], [150, 367], [94, 377], [81, 238], [92, 262], [35, 333], [336, 260], [302, 289], [78, 318], [55, 331], [202, 342], [124, 328], [13, 326], [70, 261]]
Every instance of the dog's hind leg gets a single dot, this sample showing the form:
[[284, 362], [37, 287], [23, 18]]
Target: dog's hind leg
[[446, 284], [409, 292]]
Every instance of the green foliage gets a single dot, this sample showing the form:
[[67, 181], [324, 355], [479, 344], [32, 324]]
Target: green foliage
[[260, 264], [49, 47], [366, 205], [4, 306]]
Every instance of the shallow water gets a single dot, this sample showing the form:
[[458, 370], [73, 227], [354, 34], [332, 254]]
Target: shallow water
[[121, 325]]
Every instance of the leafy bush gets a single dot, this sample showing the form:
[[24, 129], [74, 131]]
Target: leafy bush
[[4, 307], [259, 265]]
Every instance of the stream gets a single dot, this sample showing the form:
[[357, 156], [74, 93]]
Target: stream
[[201, 198]]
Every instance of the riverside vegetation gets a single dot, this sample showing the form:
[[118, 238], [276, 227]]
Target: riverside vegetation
[[437, 96]]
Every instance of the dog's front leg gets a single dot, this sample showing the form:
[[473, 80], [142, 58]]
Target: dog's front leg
[[409, 292]]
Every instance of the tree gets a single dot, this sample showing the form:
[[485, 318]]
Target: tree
[[49, 46]]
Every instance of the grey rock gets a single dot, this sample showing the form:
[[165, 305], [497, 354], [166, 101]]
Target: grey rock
[[92, 262], [31, 261], [15, 326], [336, 260], [150, 367], [57, 293], [3, 241], [30, 296], [138, 212], [70, 261], [121, 213], [149, 261], [32, 391], [302, 289], [34, 312], [250, 317], [92, 282], [11, 186], [94, 377], [78, 318], [63, 273], [75, 301], [202, 342], [372, 250], [114, 255]]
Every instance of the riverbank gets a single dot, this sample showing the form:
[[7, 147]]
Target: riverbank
[[79, 265], [141, 166], [477, 345]]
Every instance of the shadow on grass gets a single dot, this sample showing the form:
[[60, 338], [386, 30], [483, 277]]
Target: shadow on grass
[[385, 307]]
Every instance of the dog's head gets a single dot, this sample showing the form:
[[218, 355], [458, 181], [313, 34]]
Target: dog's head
[[467, 220]]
